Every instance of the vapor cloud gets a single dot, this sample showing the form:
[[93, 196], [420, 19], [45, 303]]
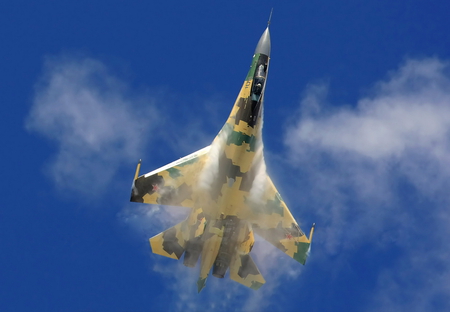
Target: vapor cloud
[[377, 173], [93, 120]]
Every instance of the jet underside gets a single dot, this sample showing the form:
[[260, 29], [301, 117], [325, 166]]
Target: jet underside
[[229, 193]]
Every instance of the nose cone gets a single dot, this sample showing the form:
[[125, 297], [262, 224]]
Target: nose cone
[[263, 46]]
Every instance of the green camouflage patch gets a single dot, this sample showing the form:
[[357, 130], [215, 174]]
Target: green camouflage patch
[[174, 173], [302, 250], [251, 72], [273, 206], [237, 138], [201, 284], [256, 285]]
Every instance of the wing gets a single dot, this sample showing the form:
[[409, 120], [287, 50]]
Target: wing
[[171, 184], [273, 221]]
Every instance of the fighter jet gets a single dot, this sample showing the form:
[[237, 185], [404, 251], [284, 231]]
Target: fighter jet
[[229, 194]]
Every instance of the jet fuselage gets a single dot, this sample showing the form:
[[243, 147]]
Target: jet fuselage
[[229, 192]]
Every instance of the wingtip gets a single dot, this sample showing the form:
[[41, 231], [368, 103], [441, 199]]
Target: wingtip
[[311, 232], [138, 167]]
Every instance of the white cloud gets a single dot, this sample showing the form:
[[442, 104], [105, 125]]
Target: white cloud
[[370, 171], [94, 121]]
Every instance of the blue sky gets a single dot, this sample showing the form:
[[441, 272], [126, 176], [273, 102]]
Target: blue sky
[[356, 133]]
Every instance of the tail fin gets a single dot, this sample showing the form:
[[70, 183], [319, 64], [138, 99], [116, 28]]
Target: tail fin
[[170, 243], [244, 271]]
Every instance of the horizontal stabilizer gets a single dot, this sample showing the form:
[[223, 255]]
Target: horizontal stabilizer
[[244, 271], [169, 243]]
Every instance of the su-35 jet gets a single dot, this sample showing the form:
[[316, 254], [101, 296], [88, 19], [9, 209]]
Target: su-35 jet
[[229, 193]]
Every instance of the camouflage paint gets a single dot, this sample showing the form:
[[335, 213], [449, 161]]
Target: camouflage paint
[[225, 213]]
